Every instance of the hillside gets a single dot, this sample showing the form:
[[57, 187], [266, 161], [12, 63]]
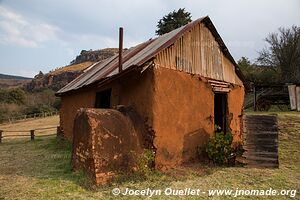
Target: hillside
[[71, 68], [61, 76], [94, 56], [12, 81], [5, 76], [58, 78]]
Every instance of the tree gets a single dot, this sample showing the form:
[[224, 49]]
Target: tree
[[172, 21], [244, 62], [283, 53], [12, 96], [256, 73]]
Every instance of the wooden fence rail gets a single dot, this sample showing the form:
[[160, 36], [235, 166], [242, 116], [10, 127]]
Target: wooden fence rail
[[31, 133], [29, 116]]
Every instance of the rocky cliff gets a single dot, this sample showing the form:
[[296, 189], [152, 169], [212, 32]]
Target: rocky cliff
[[58, 78], [94, 56], [52, 81]]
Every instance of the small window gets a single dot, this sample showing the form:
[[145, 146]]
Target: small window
[[103, 99]]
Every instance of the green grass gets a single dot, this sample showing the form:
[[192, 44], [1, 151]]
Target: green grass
[[41, 170]]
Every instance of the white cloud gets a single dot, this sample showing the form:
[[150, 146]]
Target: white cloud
[[18, 30]]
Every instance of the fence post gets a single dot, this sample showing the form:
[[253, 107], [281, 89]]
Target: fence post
[[1, 136], [57, 131], [31, 134], [255, 98]]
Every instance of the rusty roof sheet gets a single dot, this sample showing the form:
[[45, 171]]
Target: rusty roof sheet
[[140, 54]]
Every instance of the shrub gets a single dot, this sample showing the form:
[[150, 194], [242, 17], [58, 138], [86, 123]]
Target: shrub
[[219, 148], [56, 104], [12, 96], [16, 96], [239, 149], [145, 162], [39, 108]]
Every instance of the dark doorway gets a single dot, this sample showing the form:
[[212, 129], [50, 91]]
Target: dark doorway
[[103, 99], [220, 111]]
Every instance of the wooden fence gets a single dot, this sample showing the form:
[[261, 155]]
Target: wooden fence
[[260, 133], [29, 133], [29, 116]]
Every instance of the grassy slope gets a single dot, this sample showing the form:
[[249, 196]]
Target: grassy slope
[[41, 169], [71, 68], [30, 124]]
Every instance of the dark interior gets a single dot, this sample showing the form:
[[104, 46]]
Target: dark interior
[[220, 110], [103, 99]]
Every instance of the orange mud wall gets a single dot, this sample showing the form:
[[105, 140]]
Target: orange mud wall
[[235, 101], [183, 115], [135, 90], [70, 104]]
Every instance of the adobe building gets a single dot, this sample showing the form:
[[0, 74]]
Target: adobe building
[[181, 84]]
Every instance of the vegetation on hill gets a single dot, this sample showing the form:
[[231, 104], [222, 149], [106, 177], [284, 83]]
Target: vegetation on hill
[[94, 55], [17, 102], [59, 77], [37, 95], [71, 68], [11, 81], [5, 76]]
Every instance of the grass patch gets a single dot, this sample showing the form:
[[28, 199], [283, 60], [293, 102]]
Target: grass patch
[[41, 169]]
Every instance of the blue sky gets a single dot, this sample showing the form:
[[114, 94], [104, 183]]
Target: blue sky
[[44, 34]]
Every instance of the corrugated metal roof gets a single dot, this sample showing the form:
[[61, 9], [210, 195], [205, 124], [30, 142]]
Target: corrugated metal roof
[[138, 55]]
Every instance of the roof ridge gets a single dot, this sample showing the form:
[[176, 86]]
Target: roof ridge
[[143, 52]]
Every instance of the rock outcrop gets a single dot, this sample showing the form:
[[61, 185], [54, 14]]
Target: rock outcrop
[[60, 77], [54, 82], [94, 56]]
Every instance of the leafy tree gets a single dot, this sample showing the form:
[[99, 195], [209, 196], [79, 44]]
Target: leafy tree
[[283, 52], [257, 73], [16, 95], [244, 62], [172, 21]]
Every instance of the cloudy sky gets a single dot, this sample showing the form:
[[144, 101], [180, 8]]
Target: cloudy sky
[[45, 34]]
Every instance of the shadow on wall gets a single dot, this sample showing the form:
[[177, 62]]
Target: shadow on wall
[[144, 132], [194, 142]]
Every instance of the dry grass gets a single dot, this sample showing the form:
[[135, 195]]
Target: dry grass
[[30, 124], [41, 170], [71, 68]]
